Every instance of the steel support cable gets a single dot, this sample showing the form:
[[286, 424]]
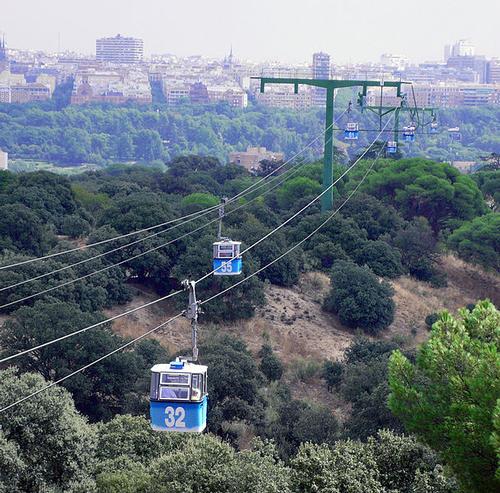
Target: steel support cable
[[328, 219], [79, 331], [48, 343], [150, 250], [93, 326], [92, 363], [133, 341], [194, 214]]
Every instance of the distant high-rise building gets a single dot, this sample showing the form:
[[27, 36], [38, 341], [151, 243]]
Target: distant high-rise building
[[493, 71], [320, 70], [4, 59], [462, 58], [321, 66], [447, 52], [463, 47], [120, 49]]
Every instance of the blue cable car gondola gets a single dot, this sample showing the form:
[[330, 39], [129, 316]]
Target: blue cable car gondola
[[409, 133], [392, 147], [226, 259], [178, 397], [455, 134], [351, 131]]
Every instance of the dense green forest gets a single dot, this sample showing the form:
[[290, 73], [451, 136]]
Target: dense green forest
[[105, 134], [91, 433]]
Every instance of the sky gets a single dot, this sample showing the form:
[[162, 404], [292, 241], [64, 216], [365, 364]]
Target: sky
[[284, 30]]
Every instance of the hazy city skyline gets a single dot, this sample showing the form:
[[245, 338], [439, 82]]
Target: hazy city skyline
[[286, 30]]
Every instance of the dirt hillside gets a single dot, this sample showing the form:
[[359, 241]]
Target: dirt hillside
[[298, 328]]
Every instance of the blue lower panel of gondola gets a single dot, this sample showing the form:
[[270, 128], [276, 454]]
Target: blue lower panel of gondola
[[409, 138], [179, 416], [350, 135], [227, 267]]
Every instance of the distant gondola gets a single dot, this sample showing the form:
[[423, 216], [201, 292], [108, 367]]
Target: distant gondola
[[226, 258], [409, 133], [455, 134], [392, 147], [351, 131]]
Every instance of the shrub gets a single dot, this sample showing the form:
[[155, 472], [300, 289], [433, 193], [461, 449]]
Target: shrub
[[304, 370], [382, 259], [75, 226], [479, 241], [332, 373], [359, 298], [270, 365]]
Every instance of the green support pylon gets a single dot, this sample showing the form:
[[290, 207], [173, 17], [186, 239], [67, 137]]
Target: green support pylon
[[330, 86], [327, 198]]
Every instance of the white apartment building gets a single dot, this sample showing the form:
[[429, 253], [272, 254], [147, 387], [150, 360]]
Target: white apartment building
[[119, 49]]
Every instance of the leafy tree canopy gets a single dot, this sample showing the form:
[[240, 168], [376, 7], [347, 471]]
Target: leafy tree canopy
[[102, 390], [47, 444], [418, 187], [479, 240], [449, 396]]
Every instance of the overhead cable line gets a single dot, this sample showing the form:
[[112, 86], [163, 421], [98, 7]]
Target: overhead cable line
[[248, 191], [140, 240], [206, 275], [93, 326], [102, 270], [83, 368], [62, 379], [138, 255], [326, 190], [301, 242]]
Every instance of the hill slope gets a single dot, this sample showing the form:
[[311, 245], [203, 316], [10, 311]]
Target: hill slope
[[297, 326]]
